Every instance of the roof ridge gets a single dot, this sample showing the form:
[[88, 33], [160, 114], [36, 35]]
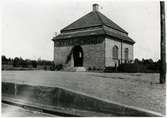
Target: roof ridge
[[119, 28], [92, 19], [96, 12], [78, 20], [103, 24]]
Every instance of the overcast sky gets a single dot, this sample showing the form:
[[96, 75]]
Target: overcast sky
[[29, 25]]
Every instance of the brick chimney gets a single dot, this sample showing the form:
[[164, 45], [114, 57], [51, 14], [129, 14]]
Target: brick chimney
[[95, 7]]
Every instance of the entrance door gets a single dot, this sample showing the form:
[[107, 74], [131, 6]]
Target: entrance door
[[78, 56]]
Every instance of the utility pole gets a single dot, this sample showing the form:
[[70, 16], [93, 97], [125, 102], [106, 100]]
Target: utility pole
[[163, 44]]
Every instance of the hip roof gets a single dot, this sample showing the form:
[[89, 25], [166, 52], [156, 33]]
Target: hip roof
[[92, 24]]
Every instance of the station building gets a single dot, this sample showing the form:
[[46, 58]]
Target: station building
[[93, 41]]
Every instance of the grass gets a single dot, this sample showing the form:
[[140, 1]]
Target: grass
[[134, 89]]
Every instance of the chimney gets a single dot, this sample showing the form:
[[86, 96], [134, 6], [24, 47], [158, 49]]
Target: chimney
[[95, 7]]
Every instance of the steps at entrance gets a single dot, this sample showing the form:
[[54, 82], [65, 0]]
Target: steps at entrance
[[69, 69], [80, 69]]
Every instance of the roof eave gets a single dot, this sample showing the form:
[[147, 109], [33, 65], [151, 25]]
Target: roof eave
[[85, 28], [77, 37], [121, 39]]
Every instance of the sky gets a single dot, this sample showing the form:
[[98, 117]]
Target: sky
[[29, 25]]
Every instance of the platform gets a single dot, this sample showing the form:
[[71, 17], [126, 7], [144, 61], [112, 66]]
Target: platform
[[138, 90]]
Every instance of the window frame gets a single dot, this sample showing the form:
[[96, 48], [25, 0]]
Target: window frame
[[126, 54], [115, 52]]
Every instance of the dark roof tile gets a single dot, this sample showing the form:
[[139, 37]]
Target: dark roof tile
[[92, 19], [93, 32], [93, 24]]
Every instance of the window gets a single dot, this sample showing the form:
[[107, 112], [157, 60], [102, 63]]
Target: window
[[115, 52], [126, 54]]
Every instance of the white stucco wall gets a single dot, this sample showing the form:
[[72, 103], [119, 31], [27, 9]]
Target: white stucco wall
[[109, 44], [130, 47]]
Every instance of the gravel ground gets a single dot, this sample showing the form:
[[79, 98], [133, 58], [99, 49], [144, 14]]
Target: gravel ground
[[134, 89]]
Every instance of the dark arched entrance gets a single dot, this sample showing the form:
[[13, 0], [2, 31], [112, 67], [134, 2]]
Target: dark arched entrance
[[78, 56]]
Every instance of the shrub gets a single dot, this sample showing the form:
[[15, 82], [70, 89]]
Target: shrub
[[59, 67], [138, 68], [89, 68], [94, 68], [45, 67], [53, 67]]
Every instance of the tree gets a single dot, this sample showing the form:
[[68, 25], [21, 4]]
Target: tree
[[16, 62], [136, 60], [34, 64], [4, 59]]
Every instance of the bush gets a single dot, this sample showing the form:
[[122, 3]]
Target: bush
[[138, 68], [59, 67], [129, 68], [52, 67], [89, 68], [94, 68], [45, 67]]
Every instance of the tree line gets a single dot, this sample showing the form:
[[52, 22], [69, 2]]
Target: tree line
[[25, 63], [144, 65]]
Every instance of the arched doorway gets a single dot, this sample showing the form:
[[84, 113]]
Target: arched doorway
[[78, 56]]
